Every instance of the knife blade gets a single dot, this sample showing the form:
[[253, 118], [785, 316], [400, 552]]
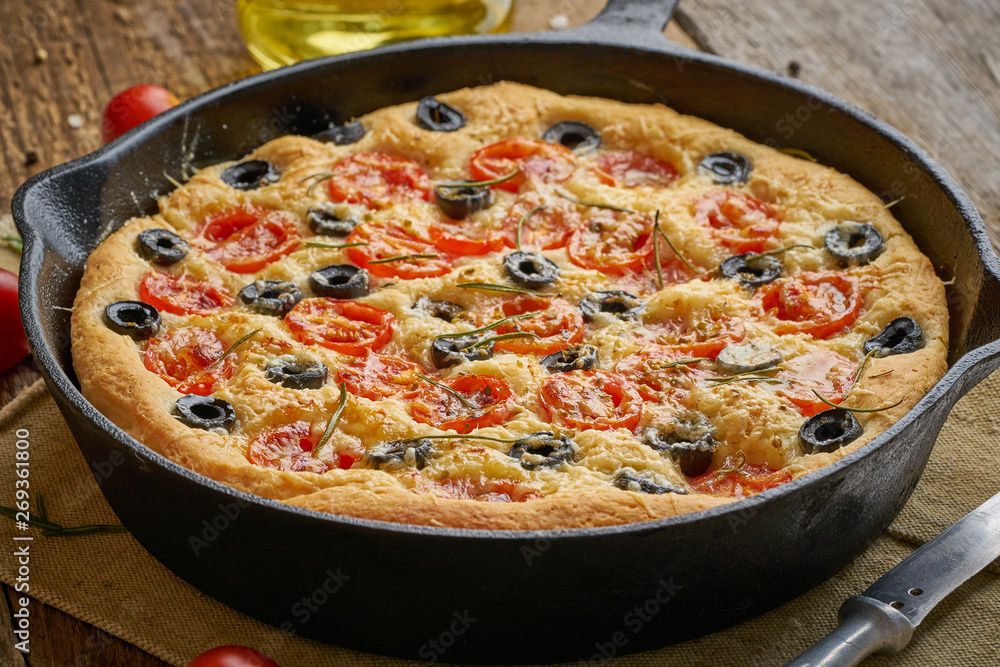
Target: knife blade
[[883, 618]]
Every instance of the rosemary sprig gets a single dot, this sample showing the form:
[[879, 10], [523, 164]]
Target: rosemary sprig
[[451, 391], [844, 407], [507, 336], [718, 382], [401, 258], [517, 237], [861, 369], [334, 246], [683, 362], [14, 243], [474, 184], [870, 377], [324, 176], [334, 419], [493, 287], [52, 529], [656, 250], [581, 202], [457, 436], [40, 507], [488, 327], [234, 346], [737, 468], [694, 269]]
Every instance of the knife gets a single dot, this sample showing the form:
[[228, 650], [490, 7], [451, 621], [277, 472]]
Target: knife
[[883, 618]]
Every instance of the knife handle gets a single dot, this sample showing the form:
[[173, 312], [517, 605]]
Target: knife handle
[[866, 626]]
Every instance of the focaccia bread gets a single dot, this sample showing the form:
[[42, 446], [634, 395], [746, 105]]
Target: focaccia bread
[[503, 308]]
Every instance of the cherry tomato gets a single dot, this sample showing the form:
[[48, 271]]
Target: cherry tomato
[[377, 180], [591, 400], [747, 481], [132, 107], [534, 159], [286, 447], [491, 399], [820, 304], [185, 359], [612, 242], [486, 490], [632, 169], [546, 229], [232, 656], [739, 221], [342, 326], [826, 372], [249, 238], [657, 378], [183, 295], [464, 237], [705, 338], [13, 341], [388, 241], [379, 376], [556, 322]]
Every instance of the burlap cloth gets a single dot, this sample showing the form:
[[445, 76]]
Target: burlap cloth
[[110, 581]]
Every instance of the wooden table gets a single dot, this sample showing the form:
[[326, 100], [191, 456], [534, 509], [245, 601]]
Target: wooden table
[[929, 67]]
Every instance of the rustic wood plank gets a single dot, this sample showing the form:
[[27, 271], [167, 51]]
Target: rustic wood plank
[[9, 655], [929, 67]]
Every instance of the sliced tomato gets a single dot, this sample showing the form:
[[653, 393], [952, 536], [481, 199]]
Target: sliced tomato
[[672, 267], [747, 481], [287, 447], [184, 358], [342, 326], [379, 376], [491, 398], [612, 242], [388, 241], [556, 322], [657, 378], [739, 221], [633, 168], [826, 372], [377, 180], [591, 400], [820, 304], [534, 159], [464, 238], [485, 489], [246, 239], [705, 338], [182, 295], [548, 228]]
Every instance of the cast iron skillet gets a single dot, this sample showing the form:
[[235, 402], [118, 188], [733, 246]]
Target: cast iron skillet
[[467, 595]]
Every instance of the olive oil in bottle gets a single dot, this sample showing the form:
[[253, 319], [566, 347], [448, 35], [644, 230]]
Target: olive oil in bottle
[[281, 32]]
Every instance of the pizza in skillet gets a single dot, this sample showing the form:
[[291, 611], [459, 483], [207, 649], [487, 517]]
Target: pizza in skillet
[[504, 308]]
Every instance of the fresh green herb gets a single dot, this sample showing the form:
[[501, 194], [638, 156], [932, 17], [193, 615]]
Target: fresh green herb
[[475, 184], [14, 243], [234, 346], [581, 202], [520, 222], [325, 176], [494, 339], [737, 468], [861, 369], [457, 436], [493, 287], [656, 250], [451, 391], [334, 246], [718, 382], [40, 507], [694, 269], [870, 377], [683, 362], [488, 327], [334, 420], [843, 407], [401, 258], [52, 529]]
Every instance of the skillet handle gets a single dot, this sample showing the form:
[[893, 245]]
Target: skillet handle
[[629, 21]]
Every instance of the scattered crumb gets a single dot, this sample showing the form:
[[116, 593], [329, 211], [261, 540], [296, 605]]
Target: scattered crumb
[[559, 22], [30, 159], [41, 56], [75, 121], [794, 68]]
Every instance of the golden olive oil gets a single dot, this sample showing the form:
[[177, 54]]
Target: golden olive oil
[[281, 32]]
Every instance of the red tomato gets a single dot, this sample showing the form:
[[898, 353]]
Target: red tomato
[[656, 380], [492, 400], [747, 481], [286, 447], [342, 326], [591, 400], [386, 241], [132, 107], [546, 229], [740, 221], [377, 180], [632, 169], [534, 159], [826, 372], [379, 376], [612, 242], [232, 656], [820, 304], [556, 322], [705, 338], [249, 238], [672, 268], [485, 489], [464, 238], [183, 358], [182, 295], [13, 341]]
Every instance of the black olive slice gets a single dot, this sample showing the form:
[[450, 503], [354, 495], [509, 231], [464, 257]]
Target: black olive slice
[[576, 358], [829, 431], [901, 336], [643, 482], [324, 222], [448, 352], [295, 374], [135, 319], [623, 305], [205, 412], [398, 455], [574, 135], [443, 310], [751, 269], [161, 246], [438, 116], [250, 175], [342, 135], [726, 168], [461, 201], [270, 297], [542, 449], [690, 445], [530, 269], [747, 358], [341, 281], [854, 243]]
